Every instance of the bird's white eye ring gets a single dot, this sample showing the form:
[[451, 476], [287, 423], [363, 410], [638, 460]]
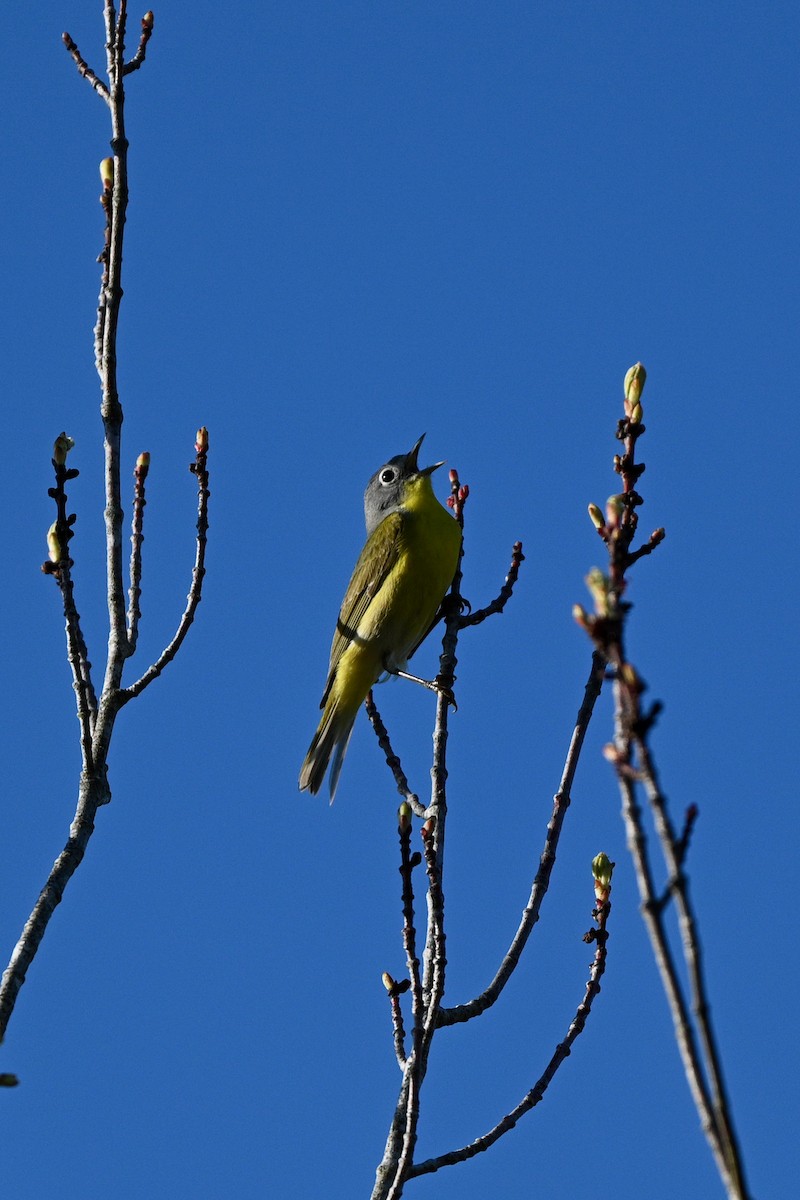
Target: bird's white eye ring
[[387, 475]]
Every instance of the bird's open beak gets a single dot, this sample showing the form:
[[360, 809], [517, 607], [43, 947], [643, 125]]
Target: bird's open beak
[[411, 460]]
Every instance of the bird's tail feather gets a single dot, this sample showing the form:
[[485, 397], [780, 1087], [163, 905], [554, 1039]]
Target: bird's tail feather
[[330, 742]]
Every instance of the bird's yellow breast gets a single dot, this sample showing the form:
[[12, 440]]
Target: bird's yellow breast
[[427, 554]]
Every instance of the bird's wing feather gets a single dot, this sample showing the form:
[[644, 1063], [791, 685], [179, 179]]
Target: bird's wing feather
[[375, 562]]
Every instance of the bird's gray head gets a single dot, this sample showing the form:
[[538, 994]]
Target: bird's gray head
[[385, 490]]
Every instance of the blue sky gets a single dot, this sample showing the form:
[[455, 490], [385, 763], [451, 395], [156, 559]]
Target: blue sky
[[350, 224]]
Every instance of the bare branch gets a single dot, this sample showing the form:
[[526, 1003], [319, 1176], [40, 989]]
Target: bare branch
[[561, 1053], [137, 537], [392, 760], [561, 801], [652, 912], [93, 792], [674, 850], [97, 717], [200, 469], [84, 68], [139, 56], [396, 1164], [693, 1031], [498, 604], [407, 864], [60, 565]]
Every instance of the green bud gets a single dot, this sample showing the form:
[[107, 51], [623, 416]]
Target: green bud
[[598, 586], [404, 816], [61, 448], [597, 518], [107, 174], [581, 617], [602, 869], [53, 544], [633, 388], [615, 507]]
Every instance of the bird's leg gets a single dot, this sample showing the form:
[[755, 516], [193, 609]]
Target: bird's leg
[[436, 685]]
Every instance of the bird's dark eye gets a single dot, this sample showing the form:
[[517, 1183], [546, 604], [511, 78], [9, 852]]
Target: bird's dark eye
[[387, 475]]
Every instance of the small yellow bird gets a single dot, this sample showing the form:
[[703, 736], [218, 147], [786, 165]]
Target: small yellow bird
[[407, 564]]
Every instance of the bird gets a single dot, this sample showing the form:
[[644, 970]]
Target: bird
[[391, 604]]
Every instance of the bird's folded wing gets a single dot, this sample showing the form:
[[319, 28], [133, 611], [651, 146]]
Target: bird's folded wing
[[374, 565]]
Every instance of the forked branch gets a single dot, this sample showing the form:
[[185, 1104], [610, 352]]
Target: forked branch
[[97, 715], [632, 759], [598, 935]]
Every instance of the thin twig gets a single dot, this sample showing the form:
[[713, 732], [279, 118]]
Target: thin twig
[[692, 952], [84, 68], [77, 653], [200, 469], [141, 52], [561, 801], [111, 409], [407, 864], [392, 760], [137, 537], [652, 913], [498, 604], [562, 1051]]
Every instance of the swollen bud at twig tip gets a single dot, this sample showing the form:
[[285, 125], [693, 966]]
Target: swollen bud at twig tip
[[633, 388], [598, 520], [388, 982], [107, 174], [611, 753], [602, 869], [658, 535], [404, 816], [142, 465], [61, 448], [201, 444], [148, 20], [53, 544]]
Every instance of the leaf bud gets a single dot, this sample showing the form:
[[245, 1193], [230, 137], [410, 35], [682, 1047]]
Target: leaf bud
[[61, 448], [598, 586], [597, 518], [602, 869], [53, 544], [615, 507], [633, 388]]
